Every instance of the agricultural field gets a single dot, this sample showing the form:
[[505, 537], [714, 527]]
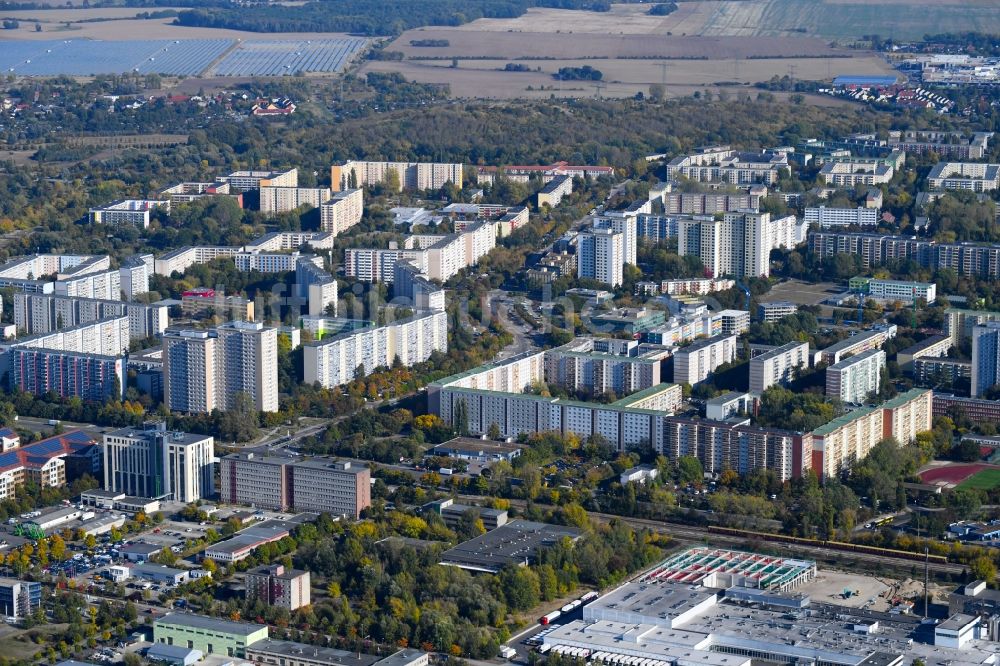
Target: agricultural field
[[632, 49], [840, 19], [622, 77], [986, 479], [565, 45], [829, 19]]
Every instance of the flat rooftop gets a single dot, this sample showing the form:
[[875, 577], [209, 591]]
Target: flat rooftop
[[315, 654], [471, 445], [515, 543], [847, 343], [652, 602], [694, 565], [737, 631], [209, 623]]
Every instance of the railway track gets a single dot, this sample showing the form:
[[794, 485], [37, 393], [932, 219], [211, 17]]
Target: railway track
[[694, 534]]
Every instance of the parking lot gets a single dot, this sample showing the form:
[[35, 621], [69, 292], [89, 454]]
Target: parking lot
[[802, 293]]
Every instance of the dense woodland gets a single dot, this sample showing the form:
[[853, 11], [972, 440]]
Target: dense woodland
[[389, 17]]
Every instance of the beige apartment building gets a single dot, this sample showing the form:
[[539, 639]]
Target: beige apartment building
[[284, 199], [411, 175], [777, 366], [207, 369], [342, 211], [189, 382], [276, 586], [845, 440]]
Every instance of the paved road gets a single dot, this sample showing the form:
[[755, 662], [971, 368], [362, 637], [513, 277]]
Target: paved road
[[42, 426], [501, 307]]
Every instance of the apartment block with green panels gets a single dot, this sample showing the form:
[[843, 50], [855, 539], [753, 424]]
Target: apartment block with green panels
[[208, 634]]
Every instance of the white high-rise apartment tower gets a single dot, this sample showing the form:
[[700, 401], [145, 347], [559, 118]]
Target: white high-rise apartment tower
[[248, 363], [204, 370], [600, 256]]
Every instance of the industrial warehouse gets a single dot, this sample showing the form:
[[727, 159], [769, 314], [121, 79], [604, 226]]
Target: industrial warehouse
[[727, 608]]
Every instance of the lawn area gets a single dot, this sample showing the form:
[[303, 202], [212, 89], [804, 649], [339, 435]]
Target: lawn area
[[984, 480]]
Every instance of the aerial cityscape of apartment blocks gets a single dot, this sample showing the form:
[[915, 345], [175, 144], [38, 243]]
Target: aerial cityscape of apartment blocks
[[188, 192], [128, 212], [105, 286], [207, 369], [314, 284], [552, 193], [151, 461], [134, 275], [62, 266], [862, 341], [852, 174], [202, 301], [67, 374], [624, 222], [724, 164], [333, 361], [487, 175], [500, 394], [978, 259], [439, 257], [179, 260], [276, 586], [777, 366], [696, 361], [342, 211], [946, 144], [699, 287], [409, 282], [604, 365], [907, 414], [276, 199], [189, 371], [709, 203], [850, 437], [972, 176], [104, 337], [855, 379], [894, 290], [959, 322], [43, 313], [601, 255], [822, 217], [985, 357], [242, 181], [775, 311], [740, 244], [411, 175], [738, 446], [282, 483]]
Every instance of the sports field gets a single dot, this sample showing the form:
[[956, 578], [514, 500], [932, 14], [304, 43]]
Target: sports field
[[987, 479], [955, 475]]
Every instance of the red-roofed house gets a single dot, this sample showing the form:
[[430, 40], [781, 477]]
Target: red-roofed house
[[49, 462]]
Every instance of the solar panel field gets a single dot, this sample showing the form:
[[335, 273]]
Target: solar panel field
[[183, 57], [278, 57]]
